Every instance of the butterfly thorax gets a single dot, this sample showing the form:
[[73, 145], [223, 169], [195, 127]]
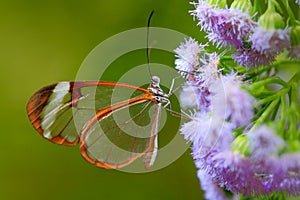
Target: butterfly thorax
[[158, 94]]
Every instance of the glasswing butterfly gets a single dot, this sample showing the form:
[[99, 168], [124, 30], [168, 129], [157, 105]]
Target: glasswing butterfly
[[104, 141]]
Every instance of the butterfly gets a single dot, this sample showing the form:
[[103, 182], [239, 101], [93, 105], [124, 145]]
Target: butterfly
[[111, 134], [67, 113]]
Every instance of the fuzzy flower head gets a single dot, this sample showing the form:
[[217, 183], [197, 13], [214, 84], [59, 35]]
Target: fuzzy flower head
[[257, 174], [236, 154], [290, 179], [270, 42], [252, 58], [212, 190], [230, 101], [188, 97], [207, 133], [223, 26], [208, 71], [264, 142], [250, 177], [188, 56], [206, 74], [203, 96], [270, 37], [239, 174], [200, 69]]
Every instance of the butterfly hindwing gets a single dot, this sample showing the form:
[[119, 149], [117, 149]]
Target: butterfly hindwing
[[113, 138]]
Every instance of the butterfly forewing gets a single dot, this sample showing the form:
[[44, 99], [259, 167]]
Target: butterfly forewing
[[50, 112]]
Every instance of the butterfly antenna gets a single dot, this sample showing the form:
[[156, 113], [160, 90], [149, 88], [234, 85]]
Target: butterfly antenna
[[147, 45]]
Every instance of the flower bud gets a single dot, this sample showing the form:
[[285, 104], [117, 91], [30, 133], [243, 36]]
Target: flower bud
[[242, 5], [271, 20], [241, 144], [220, 3]]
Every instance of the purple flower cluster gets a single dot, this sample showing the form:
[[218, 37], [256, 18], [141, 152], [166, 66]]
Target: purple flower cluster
[[261, 173], [230, 101], [224, 26], [250, 57], [208, 88], [236, 153], [212, 190], [270, 42], [235, 28], [200, 69], [188, 55], [220, 106]]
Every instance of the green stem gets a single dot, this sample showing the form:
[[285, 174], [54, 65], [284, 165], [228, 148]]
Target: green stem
[[278, 94], [271, 5], [226, 58], [274, 80], [295, 78], [256, 10], [256, 72], [265, 114], [289, 11], [294, 111], [282, 121]]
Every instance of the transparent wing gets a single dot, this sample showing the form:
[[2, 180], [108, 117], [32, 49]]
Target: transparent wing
[[53, 109], [119, 134], [50, 112]]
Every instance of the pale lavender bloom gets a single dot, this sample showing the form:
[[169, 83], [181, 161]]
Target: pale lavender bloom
[[290, 179], [264, 142], [203, 96], [251, 58], [188, 56], [207, 133], [294, 51], [224, 26], [208, 70], [230, 101], [188, 98], [206, 74], [193, 130], [248, 175], [270, 42], [261, 173], [298, 2], [205, 13], [212, 190], [239, 174], [200, 69], [195, 96], [217, 134], [203, 77], [233, 171]]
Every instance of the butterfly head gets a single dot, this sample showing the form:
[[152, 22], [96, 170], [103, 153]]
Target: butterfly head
[[155, 81]]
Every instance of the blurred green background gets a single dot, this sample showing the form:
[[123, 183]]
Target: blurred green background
[[46, 41]]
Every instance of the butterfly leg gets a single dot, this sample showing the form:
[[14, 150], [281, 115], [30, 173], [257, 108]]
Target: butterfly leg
[[171, 91]]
